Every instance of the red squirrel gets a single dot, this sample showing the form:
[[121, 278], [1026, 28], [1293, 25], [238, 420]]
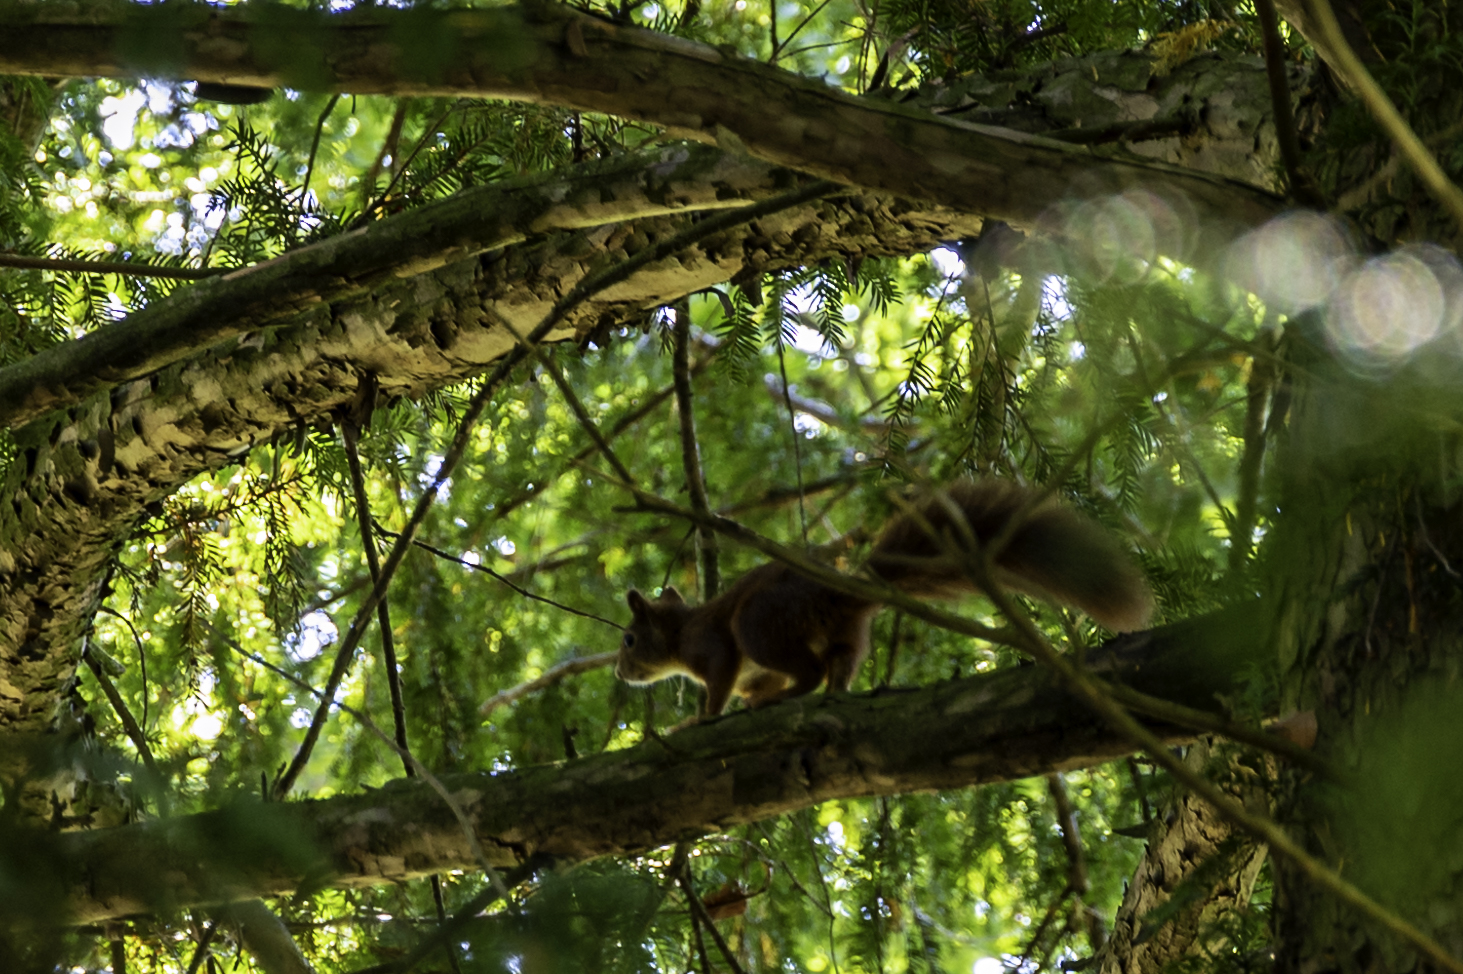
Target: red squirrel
[[776, 634]]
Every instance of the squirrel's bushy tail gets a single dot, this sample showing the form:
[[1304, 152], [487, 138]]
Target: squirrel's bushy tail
[[1055, 553]]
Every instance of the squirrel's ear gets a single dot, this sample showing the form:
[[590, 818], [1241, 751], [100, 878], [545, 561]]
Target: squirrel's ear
[[638, 605], [669, 594]]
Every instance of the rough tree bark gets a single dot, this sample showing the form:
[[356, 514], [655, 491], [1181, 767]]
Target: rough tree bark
[[546, 53], [1194, 850], [749, 766]]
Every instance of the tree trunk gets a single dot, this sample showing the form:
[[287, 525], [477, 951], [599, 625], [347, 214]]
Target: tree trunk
[[1369, 642], [1197, 870]]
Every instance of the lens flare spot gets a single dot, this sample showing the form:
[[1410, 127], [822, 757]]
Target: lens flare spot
[[1294, 263], [1388, 307]]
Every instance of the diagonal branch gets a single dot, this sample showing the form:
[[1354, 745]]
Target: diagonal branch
[[550, 54], [628, 187]]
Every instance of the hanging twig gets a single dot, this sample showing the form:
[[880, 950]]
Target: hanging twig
[[130, 726], [797, 449], [348, 431], [201, 951], [827, 903], [388, 148], [1136, 774], [674, 244], [634, 416], [691, 452], [465, 915], [1071, 836], [141, 656], [777, 49], [119, 954], [679, 868], [1257, 398], [399, 168], [1040, 932], [373, 563]]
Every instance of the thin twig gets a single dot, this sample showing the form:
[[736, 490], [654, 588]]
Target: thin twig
[[141, 656], [792, 423], [776, 44], [466, 914], [314, 148], [1257, 398], [554, 674], [388, 639], [202, 950], [447, 556], [634, 416], [1071, 837], [680, 867], [127, 268], [1136, 774], [715, 223], [691, 453], [388, 148], [1040, 932], [129, 724], [777, 49], [373, 563], [400, 170]]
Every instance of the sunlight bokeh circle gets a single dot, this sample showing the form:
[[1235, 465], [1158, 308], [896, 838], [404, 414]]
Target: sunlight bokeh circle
[[1388, 307], [1293, 263]]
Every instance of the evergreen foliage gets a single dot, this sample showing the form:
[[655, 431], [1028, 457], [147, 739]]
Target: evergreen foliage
[[1121, 384]]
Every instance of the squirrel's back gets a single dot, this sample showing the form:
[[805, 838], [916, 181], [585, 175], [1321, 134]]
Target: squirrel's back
[[1053, 553], [776, 633]]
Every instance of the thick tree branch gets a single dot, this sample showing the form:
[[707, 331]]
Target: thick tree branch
[[355, 265], [725, 772], [550, 54]]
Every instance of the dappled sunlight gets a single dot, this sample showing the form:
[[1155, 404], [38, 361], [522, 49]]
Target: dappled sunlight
[[1393, 305]]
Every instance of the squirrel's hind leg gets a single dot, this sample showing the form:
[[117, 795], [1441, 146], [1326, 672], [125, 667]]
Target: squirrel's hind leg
[[780, 645], [847, 652]]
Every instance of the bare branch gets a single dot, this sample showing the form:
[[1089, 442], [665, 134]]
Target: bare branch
[[555, 674]]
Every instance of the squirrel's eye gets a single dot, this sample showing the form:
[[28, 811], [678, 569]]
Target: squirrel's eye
[[629, 641]]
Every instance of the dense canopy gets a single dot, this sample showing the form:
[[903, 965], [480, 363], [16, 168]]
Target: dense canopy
[[355, 363]]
